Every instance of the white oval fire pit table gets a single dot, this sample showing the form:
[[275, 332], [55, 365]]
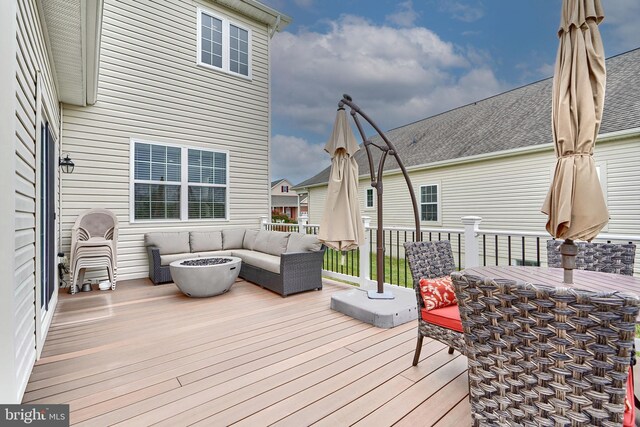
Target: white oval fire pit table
[[205, 277]]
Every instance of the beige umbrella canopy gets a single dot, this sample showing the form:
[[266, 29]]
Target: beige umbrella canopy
[[575, 203], [341, 225]]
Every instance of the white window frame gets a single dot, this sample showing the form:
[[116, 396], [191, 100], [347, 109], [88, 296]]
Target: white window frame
[[226, 44], [438, 203], [184, 183], [366, 198]]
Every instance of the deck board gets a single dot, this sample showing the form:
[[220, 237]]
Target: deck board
[[146, 355]]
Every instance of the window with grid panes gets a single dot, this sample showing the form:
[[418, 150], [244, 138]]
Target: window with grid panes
[[429, 202], [161, 191], [223, 45]]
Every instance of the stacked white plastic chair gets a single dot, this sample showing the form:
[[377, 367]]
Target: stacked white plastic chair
[[94, 241]]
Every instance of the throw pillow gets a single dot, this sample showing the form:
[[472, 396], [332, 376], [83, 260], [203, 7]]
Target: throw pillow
[[437, 293]]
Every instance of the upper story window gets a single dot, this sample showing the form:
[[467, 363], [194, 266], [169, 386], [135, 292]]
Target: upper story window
[[171, 182], [429, 203], [369, 198], [284, 188], [223, 45]]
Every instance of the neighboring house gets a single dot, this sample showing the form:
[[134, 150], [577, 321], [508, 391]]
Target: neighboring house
[[495, 158], [304, 204], [284, 200], [164, 109]]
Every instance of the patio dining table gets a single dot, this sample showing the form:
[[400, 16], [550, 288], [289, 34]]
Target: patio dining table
[[582, 279]]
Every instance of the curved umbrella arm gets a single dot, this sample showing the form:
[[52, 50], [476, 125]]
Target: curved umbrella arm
[[376, 181]]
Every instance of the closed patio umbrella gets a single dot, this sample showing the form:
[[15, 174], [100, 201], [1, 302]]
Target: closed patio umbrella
[[575, 203], [341, 225]]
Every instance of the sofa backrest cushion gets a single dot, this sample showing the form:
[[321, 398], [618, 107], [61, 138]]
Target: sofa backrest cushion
[[271, 242], [303, 243], [204, 241], [168, 242], [232, 238], [249, 241]]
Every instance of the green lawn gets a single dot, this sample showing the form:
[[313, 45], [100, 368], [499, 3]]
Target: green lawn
[[396, 272]]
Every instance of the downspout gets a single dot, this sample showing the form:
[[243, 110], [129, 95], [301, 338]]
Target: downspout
[[272, 32]]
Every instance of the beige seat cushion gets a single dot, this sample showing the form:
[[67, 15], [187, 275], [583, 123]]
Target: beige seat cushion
[[202, 241], [303, 243], [232, 238], [169, 242], [249, 241], [212, 254], [168, 259], [271, 242], [258, 259]]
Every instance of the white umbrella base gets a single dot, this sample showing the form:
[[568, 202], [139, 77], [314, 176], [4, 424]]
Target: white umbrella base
[[379, 313]]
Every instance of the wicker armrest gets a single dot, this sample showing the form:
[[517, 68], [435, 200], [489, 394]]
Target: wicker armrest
[[153, 253], [301, 271]]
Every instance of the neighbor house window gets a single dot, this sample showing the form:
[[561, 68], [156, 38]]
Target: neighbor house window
[[429, 203], [369, 198], [284, 188], [178, 183], [223, 45]]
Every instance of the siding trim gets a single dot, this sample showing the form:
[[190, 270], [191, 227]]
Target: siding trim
[[9, 392]]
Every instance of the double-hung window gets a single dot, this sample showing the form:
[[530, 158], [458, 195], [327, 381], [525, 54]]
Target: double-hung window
[[178, 183], [369, 198], [429, 206], [223, 45]]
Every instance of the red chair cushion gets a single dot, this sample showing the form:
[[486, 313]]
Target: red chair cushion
[[447, 317], [437, 293]]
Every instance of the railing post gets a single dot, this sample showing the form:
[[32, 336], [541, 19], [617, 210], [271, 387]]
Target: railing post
[[471, 241], [263, 222], [303, 220], [364, 254]]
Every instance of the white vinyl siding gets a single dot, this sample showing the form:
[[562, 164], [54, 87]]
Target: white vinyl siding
[[223, 45], [32, 64], [508, 192], [151, 89]]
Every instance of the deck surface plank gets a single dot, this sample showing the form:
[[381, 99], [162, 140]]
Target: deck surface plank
[[146, 355]]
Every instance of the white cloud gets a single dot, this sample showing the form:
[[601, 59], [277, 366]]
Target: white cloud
[[462, 12], [405, 16], [397, 75], [296, 159], [621, 21]]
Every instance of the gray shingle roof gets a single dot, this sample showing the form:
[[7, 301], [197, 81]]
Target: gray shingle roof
[[518, 118], [284, 201]]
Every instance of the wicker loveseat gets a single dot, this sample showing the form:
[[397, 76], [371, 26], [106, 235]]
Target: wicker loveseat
[[285, 263]]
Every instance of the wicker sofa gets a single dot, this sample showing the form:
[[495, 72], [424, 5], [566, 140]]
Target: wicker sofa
[[285, 263]]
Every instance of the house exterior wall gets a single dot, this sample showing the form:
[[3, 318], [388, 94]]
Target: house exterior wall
[[276, 190], [31, 89], [506, 192], [151, 89]]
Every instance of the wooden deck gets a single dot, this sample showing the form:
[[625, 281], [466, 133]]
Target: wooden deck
[[148, 355]]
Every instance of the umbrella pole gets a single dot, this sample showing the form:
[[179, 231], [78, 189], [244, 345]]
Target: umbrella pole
[[568, 250], [376, 182]]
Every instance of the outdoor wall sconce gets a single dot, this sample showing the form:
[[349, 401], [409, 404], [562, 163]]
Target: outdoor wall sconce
[[66, 164]]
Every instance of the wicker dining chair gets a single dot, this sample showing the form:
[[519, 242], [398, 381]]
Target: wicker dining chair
[[431, 260], [544, 356], [605, 257]]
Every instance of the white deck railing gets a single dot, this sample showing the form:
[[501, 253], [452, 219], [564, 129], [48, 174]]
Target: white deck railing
[[472, 246]]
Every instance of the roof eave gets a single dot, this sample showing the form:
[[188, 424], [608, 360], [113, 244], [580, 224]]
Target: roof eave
[[258, 11]]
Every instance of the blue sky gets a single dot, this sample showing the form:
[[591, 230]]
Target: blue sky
[[406, 60]]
